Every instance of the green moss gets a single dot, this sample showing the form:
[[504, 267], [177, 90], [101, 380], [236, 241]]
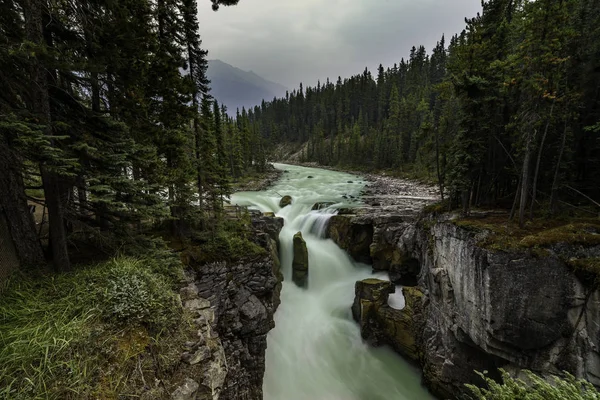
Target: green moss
[[585, 234], [502, 234], [372, 281], [436, 208], [538, 237], [587, 270], [586, 264]]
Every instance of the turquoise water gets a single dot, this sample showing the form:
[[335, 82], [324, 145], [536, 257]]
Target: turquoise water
[[315, 350]]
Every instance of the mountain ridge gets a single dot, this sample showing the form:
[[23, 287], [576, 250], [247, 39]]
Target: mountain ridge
[[236, 88]]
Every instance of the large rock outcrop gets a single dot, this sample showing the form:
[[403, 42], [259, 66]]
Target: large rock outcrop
[[480, 308], [353, 234], [233, 304], [300, 261], [515, 309], [382, 324]]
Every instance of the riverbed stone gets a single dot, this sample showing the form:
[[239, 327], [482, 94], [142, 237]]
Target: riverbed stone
[[300, 261], [285, 201]]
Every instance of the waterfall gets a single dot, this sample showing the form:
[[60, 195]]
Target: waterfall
[[315, 351]]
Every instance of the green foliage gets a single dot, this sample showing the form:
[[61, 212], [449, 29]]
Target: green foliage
[[134, 295], [534, 388], [113, 138], [230, 241], [56, 331]]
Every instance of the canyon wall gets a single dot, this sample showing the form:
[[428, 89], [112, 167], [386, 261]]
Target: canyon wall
[[478, 308], [232, 306]]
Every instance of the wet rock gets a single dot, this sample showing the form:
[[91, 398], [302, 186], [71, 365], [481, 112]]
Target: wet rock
[[355, 235], [381, 324], [270, 225], [405, 272], [300, 262], [285, 201], [187, 391], [402, 329], [310, 177], [370, 295], [480, 309], [322, 205], [350, 182]]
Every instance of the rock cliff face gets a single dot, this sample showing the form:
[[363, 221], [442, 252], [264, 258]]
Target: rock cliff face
[[512, 309], [480, 309], [233, 306]]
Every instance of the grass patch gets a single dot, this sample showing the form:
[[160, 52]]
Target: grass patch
[[80, 335]]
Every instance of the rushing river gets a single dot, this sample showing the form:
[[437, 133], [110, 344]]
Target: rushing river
[[315, 351]]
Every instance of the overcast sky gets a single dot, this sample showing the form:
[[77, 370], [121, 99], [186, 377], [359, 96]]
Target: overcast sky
[[292, 41]]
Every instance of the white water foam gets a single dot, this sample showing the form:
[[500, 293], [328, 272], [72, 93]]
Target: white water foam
[[315, 351]]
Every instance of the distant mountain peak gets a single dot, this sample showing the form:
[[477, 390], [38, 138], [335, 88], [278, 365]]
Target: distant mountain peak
[[237, 88]]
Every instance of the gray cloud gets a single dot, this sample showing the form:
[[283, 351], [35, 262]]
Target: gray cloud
[[292, 41]]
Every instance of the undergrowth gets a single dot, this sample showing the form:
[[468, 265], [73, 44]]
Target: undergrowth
[[231, 240], [79, 335], [534, 388]]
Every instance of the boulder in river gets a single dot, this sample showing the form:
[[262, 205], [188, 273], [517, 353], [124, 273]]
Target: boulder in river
[[285, 201], [310, 177], [300, 262]]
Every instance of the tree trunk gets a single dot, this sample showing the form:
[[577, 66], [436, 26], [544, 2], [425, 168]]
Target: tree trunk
[[200, 173], [515, 202], [554, 194], [56, 193], [539, 159], [13, 203], [525, 180], [437, 163], [54, 189]]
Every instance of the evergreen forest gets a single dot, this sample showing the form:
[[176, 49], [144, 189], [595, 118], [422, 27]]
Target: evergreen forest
[[506, 113], [117, 168], [108, 124]]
